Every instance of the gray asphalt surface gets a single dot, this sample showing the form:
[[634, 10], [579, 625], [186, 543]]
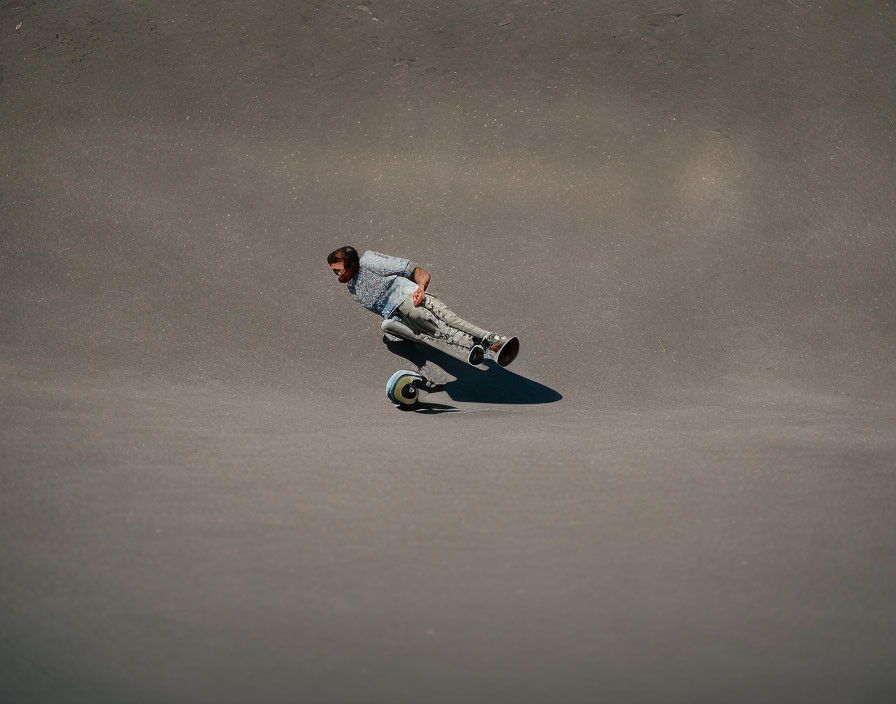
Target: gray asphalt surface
[[682, 490]]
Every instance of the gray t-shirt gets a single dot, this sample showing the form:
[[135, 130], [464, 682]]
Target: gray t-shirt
[[382, 282]]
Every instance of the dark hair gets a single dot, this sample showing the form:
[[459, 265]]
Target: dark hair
[[346, 255]]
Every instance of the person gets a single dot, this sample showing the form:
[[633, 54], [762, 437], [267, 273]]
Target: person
[[396, 288]]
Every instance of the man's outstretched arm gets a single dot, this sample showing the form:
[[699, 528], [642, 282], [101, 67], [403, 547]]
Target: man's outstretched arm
[[421, 278]]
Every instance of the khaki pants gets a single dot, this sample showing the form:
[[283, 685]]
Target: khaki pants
[[433, 318]]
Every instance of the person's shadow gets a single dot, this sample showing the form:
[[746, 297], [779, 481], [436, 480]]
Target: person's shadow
[[471, 384]]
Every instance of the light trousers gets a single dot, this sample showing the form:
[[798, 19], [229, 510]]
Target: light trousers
[[432, 317]]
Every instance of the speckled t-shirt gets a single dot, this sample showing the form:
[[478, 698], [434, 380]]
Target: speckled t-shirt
[[382, 282]]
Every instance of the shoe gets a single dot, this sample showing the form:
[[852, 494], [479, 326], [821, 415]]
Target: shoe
[[503, 349], [477, 354], [494, 343]]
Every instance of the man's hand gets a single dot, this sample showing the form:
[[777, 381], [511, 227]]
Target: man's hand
[[421, 278], [417, 296]]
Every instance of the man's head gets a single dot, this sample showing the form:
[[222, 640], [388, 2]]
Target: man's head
[[344, 263]]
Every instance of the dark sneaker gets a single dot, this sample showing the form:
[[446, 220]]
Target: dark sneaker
[[477, 354]]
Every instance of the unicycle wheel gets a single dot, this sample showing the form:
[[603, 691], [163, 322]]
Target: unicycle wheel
[[402, 387]]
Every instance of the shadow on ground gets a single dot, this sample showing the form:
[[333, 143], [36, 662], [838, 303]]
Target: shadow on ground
[[428, 409], [471, 384]]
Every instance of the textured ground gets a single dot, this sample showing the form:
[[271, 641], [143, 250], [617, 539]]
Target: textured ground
[[682, 491]]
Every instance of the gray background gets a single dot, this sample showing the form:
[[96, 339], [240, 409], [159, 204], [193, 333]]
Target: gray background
[[682, 491]]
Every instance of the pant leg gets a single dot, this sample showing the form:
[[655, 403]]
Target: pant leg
[[434, 318], [425, 319], [441, 311]]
